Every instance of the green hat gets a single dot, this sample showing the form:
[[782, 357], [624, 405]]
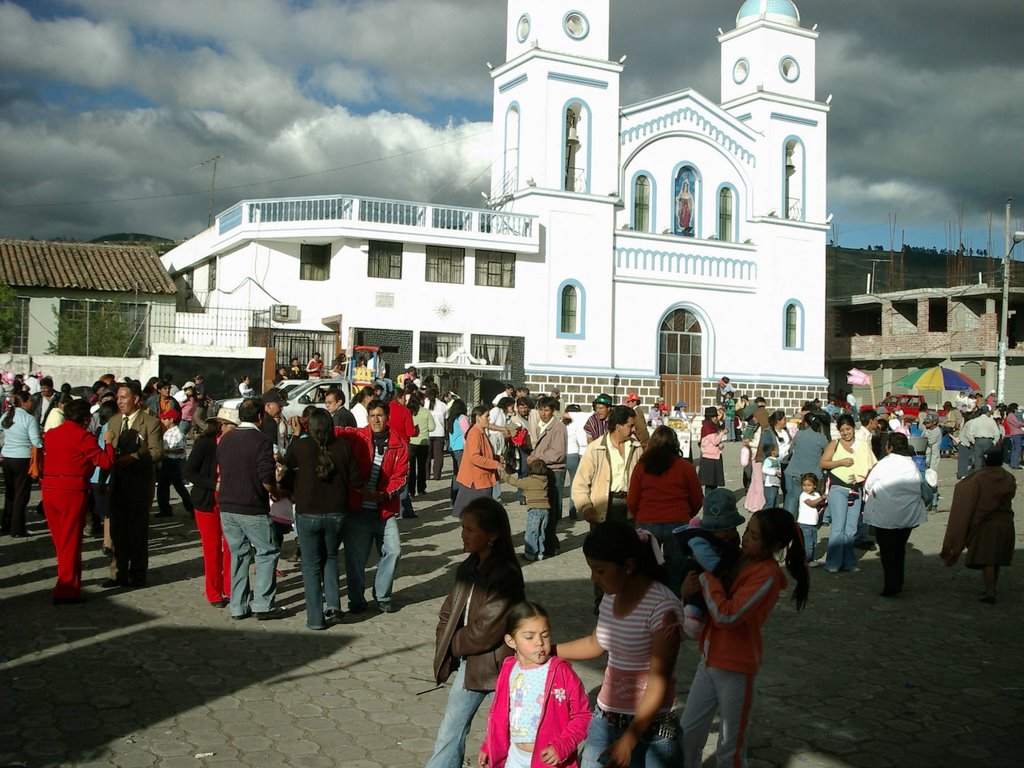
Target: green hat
[[603, 399]]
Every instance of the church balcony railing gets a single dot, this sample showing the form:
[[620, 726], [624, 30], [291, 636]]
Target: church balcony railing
[[794, 210], [684, 261], [345, 213]]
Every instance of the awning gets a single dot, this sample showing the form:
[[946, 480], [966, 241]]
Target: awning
[[459, 360]]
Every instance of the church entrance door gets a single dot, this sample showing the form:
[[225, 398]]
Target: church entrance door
[[679, 359]]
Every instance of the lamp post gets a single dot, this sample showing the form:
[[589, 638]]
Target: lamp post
[[1004, 317]]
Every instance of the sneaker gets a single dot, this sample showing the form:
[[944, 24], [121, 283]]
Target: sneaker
[[855, 569], [814, 564], [832, 570], [386, 607]]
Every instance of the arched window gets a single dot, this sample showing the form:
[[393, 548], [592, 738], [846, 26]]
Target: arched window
[[574, 151], [725, 214], [510, 181], [793, 186], [793, 325], [571, 310], [642, 204]]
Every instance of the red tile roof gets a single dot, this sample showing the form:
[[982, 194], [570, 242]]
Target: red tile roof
[[83, 266]]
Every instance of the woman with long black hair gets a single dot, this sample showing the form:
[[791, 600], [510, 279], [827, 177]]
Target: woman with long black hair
[[323, 469], [21, 434], [456, 425], [471, 625]]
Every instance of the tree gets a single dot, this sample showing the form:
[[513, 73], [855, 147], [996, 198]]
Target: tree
[[9, 317], [99, 329]]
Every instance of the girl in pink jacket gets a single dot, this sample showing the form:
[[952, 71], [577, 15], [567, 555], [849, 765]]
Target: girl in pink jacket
[[540, 713]]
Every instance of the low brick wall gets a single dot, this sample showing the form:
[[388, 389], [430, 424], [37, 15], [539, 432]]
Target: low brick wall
[[583, 389]]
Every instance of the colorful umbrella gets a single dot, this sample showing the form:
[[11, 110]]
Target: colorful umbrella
[[937, 377]]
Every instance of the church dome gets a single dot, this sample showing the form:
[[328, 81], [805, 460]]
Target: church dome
[[780, 11]]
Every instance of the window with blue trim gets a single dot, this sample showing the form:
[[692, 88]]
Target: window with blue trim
[[791, 332], [725, 214], [642, 204], [570, 310]]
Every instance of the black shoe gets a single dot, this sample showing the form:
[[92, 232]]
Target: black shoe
[[218, 603], [866, 546], [107, 551], [409, 516], [113, 584], [333, 615], [272, 615], [987, 599], [164, 514], [386, 607], [245, 615], [356, 609]]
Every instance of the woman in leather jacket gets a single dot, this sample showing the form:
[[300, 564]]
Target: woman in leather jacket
[[471, 627]]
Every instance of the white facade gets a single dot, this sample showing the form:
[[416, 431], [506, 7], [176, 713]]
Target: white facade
[[616, 217]]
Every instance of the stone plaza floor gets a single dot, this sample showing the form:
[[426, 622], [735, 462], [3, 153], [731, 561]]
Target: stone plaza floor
[[156, 677]]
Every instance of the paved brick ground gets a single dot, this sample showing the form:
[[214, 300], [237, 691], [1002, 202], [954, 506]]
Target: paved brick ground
[[155, 677]]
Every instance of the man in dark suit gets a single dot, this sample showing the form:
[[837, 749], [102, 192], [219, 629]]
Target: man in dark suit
[[137, 438]]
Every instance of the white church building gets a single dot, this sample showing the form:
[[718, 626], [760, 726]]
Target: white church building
[[651, 247]]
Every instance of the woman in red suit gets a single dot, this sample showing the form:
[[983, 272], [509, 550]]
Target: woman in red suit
[[71, 456]]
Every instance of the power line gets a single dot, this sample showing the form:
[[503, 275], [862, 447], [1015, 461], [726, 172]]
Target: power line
[[172, 195]]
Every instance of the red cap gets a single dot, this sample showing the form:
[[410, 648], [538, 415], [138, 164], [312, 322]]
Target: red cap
[[632, 396], [170, 414]]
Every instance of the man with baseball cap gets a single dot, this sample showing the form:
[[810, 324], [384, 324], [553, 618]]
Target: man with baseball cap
[[640, 430]]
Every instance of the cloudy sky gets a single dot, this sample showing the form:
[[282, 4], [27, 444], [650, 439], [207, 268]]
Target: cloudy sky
[[107, 107]]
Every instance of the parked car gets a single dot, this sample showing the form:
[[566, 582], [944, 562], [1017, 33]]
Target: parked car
[[298, 392]]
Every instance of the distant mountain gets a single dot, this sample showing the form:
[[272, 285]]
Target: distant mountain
[[159, 244]]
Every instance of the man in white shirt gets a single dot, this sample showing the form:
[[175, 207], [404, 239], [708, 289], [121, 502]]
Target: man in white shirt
[[509, 391]]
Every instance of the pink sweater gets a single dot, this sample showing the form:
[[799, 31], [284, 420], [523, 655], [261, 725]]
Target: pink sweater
[[564, 720]]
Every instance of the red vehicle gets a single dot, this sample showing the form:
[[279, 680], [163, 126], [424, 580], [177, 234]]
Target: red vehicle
[[909, 404]]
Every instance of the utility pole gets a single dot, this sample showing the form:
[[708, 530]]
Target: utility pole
[[1012, 239], [213, 186], [1005, 313]]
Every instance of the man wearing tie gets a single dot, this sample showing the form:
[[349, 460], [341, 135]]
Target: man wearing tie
[[138, 447]]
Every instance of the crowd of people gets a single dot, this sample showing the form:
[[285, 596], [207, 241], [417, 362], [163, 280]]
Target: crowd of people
[[664, 548]]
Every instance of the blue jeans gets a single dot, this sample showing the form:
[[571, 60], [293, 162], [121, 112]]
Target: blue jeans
[[660, 752], [792, 500], [771, 495], [675, 559], [362, 530], [839, 556], [246, 534], [450, 744], [456, 460], [536, 523], [810, 533], [319, 541], [572, 463], [556, 480], [1015, 446]]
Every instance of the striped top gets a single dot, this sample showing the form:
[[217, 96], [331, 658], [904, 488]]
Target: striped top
[[629, 641]]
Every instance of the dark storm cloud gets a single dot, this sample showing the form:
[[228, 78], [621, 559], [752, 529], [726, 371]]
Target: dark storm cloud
[[926, 113]]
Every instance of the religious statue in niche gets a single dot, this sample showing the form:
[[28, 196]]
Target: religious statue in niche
[[684, 186]]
